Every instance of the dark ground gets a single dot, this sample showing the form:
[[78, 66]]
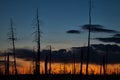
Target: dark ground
[[60, 77]]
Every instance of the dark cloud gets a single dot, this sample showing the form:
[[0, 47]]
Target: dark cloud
[[110, 51], [109, 39], [73, 32], [26, 54], [116, 35], [113, 39], [98, 28], [96, 52]]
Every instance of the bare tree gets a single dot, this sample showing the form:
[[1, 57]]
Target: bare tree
[[7, 64], [81, 60], [88, 52], [13, 39], [37, 64], [46, 61], [74, 63], [50, 55]]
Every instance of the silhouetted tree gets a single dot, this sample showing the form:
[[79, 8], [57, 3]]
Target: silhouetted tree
[[50, 55], [101, 68], [12, 38], [7, 64], [33, 61], [88, 53], [74, 63], [5, 56], [37, 64], [46, 61], [104, 69], [81, 61], [64, 69]]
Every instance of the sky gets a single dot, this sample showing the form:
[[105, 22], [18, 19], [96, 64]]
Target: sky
[[56, 17]]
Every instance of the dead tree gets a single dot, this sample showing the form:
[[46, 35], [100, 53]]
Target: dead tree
[[81, 61], [103, 65], [7, 64], [64, 69], [101, 68], [104, 68], [46, 61], [13, 39], [50, 55], [88, 51], [38, 32], [33, 61], [74, 63]]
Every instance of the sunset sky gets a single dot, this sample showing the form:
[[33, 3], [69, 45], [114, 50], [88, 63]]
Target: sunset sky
[[56, 17]]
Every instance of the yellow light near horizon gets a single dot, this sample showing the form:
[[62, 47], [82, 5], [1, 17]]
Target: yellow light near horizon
[[26, 67]]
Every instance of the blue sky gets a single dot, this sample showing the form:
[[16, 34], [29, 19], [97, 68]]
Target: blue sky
[[57, 16]]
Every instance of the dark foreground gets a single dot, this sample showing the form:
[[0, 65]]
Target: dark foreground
[[60, 77]]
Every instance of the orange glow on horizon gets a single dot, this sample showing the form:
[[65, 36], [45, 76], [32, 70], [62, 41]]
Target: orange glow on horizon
[[27, 67], [58, 68]]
